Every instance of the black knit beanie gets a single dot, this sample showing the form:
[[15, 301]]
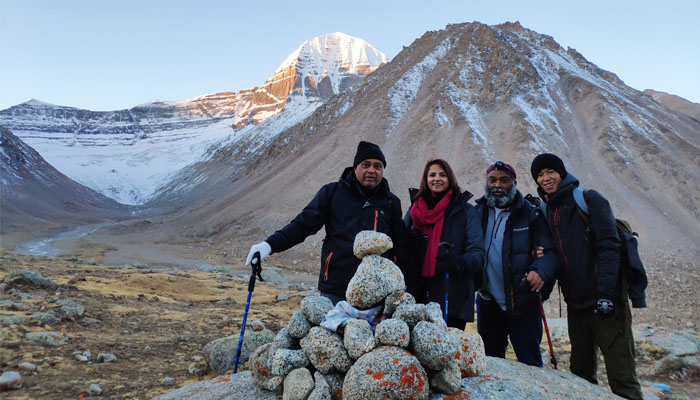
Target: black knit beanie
[[367, 150], [547, 160]]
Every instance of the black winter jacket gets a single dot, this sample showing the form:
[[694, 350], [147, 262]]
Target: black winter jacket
[[525, 229], [590, 256], [461, 228], [344, 209]]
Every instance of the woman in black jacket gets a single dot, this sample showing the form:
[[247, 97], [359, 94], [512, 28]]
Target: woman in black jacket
[[445, 249]]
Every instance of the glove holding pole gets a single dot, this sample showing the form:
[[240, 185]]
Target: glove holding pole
[[263, 249], [254, 259]]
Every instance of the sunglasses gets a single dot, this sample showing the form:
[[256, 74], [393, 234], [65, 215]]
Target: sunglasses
[[500, 165]]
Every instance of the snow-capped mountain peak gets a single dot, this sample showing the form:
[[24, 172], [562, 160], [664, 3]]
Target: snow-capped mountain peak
[[333, 55], [127, 154]]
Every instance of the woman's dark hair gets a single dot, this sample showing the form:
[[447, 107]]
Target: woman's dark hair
[[451, 179]]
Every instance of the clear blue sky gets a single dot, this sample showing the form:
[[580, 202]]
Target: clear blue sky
[[108, 55]]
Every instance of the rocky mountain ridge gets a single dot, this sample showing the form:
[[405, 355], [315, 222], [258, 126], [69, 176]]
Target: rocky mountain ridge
[[471, 94], [127, 154], [675, 103]]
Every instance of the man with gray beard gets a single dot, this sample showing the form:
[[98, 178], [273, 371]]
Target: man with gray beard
[[515, 279]]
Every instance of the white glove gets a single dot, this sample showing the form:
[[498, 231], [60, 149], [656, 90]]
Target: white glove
[[262, 247]]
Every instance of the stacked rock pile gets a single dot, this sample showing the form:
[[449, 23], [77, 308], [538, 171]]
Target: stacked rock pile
[[407, 355]]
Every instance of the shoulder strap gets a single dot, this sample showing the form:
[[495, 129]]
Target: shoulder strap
[[578, 197], [581, 204], [580, 200]]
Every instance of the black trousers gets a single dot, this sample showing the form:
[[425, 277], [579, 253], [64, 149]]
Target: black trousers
[[524, 330]]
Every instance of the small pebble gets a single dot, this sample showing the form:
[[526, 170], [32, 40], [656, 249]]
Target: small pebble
[[10, 380], [168, 381], [106, 357], [25, 366], [95, 390]]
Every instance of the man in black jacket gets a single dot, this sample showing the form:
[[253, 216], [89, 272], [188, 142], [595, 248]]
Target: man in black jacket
[[598, 312], [508, 304], [360, 200]]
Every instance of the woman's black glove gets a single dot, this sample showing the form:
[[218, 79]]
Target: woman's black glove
[[446, 261]]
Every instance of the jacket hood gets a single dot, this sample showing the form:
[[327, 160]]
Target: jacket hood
[[566, 185]]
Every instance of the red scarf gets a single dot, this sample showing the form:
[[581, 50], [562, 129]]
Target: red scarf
[[430, 222]]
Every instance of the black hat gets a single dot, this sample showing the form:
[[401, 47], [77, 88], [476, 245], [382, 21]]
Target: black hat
[[547, 160], [367, 150]]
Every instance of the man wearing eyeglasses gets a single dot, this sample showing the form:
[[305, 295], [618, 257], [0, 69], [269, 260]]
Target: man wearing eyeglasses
[[360, 200], [514, 278]]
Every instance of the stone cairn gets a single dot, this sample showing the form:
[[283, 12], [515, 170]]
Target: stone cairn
[[408, 355]]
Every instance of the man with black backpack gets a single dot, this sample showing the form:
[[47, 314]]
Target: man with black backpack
[[590, 277]]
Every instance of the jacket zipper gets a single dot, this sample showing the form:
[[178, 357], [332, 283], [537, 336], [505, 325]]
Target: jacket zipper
[[328, 262], [376, 216]]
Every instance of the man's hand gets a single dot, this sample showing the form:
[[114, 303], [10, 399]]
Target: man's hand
[[539, 252], [262, 247], [535, 280]]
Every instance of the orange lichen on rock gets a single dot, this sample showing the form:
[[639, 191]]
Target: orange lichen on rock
[[411, 377], [222, 379], [260, 369], [460, 395], [488, 378]]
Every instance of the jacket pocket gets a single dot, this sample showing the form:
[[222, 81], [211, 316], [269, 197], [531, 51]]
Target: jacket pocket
[[328, 263]]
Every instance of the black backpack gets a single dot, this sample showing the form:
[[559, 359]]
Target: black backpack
[[633, 273]]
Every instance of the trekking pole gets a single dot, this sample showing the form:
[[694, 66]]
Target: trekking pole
[[446, 246], [447, 286], [256, 270], [549, 339]]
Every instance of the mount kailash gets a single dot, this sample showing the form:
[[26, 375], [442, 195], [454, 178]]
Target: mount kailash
[[127, 154]]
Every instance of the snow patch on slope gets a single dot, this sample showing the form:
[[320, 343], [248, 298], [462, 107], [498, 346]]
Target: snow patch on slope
[[129, 173], [461, 98], [403, 93]]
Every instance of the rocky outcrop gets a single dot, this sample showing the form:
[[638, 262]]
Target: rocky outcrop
[[220, 353], [502, 380]]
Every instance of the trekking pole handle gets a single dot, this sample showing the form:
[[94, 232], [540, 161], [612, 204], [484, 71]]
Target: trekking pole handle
[[256, 267]]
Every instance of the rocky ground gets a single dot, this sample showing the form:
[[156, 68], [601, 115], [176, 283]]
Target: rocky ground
[[156, 321]]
